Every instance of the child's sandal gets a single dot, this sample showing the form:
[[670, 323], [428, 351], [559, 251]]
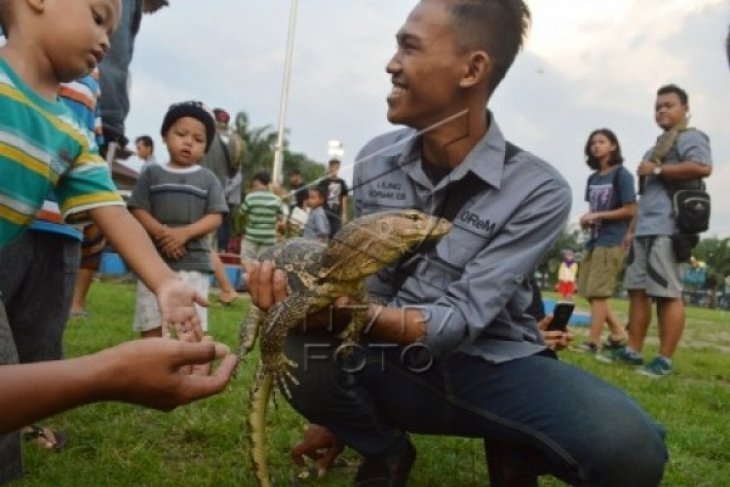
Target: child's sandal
[[46, 438]]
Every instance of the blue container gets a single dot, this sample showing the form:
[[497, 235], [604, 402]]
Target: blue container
[[112, 264], [233, 273]]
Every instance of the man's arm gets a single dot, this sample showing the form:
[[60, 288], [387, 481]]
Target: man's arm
[[488, 281], [680, 171], [143, 372]]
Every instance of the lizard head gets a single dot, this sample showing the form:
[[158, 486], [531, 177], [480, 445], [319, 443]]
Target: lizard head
[[369, 243]]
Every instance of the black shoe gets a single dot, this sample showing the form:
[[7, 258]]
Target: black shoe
[[386, 471]]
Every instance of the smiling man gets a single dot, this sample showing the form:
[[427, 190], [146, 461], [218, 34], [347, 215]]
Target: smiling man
[[454, 352]]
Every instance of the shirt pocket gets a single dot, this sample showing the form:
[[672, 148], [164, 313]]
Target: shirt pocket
[[458, 248]]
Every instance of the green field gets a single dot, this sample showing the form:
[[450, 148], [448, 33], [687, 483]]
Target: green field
[[204, 444]]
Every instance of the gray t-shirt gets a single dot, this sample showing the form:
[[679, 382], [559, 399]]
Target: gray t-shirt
[[473, 287], [179, 197], [655, 216], [605, 192], [317, 226]]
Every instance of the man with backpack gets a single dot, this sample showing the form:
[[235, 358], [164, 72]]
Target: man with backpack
[[662, 234]]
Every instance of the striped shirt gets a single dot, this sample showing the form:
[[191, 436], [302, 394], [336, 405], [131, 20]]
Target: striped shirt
[[262, 210], [81, 97], [42, 145]]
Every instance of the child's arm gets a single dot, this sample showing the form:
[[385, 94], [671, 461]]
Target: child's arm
[[176, 299]]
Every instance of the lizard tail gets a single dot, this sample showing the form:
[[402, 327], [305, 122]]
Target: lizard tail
[[257, 426]]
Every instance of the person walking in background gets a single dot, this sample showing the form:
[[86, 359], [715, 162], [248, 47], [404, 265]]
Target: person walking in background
[[179, 204], [336, 203], [611, 201], [114, 70], [145, 149], [567, 275], [317, 226], [263, 214], [654, 273], [223, 159], [298, 188]]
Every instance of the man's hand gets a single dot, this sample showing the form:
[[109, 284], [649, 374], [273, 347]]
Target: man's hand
[[555, 340], [147, 372], [645, 168], [176, 300], [320, 445], [267, 286]]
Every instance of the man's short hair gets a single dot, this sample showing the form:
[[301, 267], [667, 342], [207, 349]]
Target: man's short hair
[[295, 172], [146, 141], [672, 88], [334, 162], [497, 26], [262, 177]]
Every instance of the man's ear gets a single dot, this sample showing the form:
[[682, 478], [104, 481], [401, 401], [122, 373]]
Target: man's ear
[[477, 69], [37, 6]]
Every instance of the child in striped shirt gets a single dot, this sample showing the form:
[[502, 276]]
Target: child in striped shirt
[[263, 214], [43, 146]]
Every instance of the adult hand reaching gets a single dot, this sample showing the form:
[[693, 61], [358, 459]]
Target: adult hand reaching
[[145, 372]]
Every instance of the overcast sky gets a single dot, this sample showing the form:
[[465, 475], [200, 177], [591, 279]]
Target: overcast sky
[[586, 64]]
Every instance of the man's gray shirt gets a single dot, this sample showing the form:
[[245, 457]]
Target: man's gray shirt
[[473, 286], [655, 215]]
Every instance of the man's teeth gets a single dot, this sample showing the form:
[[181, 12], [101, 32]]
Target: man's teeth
[[397, 90]]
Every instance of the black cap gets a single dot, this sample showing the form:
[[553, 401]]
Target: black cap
[[194, 109]]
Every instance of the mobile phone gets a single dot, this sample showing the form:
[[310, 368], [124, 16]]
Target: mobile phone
[[561, 315]]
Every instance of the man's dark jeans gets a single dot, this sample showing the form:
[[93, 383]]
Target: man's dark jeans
[[583, 430]]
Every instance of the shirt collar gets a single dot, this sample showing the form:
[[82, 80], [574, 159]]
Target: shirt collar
[[485, 160]]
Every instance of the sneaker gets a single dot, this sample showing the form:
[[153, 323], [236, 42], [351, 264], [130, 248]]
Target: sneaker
[[613, 344], [620, 355], [657, 368], [386, 472], [588, 347]]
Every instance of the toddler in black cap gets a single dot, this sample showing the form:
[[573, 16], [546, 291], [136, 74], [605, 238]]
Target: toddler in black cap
[[193, 109]]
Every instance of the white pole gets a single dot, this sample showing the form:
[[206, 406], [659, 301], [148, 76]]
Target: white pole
[[279, 149]]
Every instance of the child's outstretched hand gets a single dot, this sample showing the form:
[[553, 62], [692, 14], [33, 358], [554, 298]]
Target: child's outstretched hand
[[176, 300]]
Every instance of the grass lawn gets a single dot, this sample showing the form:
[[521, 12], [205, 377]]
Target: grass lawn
[[204, 444]]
